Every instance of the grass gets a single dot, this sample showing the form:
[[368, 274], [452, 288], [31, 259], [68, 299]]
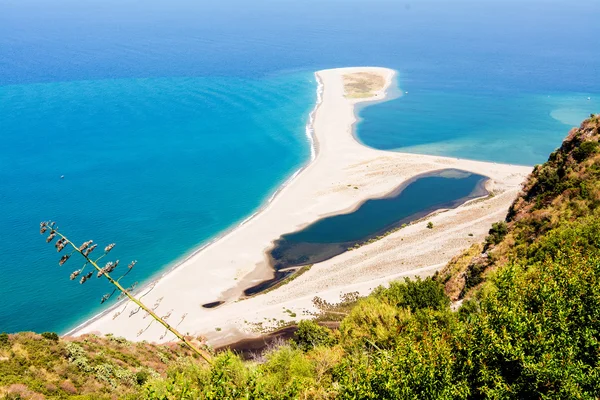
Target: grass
[[362, 84], [43, 365]]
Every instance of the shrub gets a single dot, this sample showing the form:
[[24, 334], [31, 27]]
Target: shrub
[[537, 329], [430, 225], [77, 356], [141, 377], [421, 365], [468, 308], [68, 387], [118, 339], [286, 372], [113, 375], [310, 335], [474, 275], [372, 323], [584, 150], [50, 336], [74, 350], [414, 294], [497, 233], [4, 339]]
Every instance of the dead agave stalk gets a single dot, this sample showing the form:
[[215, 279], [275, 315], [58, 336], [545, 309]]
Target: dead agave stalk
[[85, 249]]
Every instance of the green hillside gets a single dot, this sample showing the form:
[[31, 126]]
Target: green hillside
[[516, 317]]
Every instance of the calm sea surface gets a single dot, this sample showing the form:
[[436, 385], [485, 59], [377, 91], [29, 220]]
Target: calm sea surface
[[173, 121]]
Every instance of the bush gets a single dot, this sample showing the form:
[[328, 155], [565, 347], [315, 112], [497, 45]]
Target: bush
[[74, 351], [421, 365], [414, 294], [227, 378], [50, 336], [286, 372], [141, 377], [372, 323], [537, 332], [430, 225], [497, 233], [310, 335], [469, 307], [4, 339], [113, 374], [584, 150]]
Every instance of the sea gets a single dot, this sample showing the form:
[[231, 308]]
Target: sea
[[161, 125]]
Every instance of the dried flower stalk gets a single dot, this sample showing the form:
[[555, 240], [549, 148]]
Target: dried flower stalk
[[85, 249]]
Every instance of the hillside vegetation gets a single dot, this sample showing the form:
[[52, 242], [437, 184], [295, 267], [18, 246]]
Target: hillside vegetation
[[528, 325]]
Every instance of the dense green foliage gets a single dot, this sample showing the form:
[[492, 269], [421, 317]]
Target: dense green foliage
[[310, 335], [414, 295], [50, 336], [496, 233], [528, 329]]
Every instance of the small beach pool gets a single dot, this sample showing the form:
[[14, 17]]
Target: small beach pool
[[334, 235]]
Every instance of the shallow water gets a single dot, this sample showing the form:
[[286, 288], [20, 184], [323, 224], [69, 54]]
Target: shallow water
[[522, 129]]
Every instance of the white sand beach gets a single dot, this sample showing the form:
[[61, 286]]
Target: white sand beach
[[222, 270]]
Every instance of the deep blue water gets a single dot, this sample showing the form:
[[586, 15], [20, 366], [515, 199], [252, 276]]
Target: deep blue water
[[173, 121]]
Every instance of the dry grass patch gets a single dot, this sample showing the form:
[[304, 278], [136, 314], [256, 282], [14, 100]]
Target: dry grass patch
[[362, 84], [453, 275]]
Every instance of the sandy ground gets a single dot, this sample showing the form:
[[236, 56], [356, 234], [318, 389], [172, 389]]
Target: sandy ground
[[326, 186]]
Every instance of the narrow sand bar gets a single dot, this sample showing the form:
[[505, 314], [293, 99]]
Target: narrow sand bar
[[222, 270]]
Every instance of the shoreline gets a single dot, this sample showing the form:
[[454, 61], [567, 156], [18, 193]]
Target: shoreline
[[314, 150], [220, 269], [479, 191]]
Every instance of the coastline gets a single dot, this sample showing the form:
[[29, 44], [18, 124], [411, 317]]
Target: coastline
[[324, 250], [236, 258], [314, 149]]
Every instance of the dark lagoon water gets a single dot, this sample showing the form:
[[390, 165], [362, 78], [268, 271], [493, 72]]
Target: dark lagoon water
[[334, 235], [174, 121]]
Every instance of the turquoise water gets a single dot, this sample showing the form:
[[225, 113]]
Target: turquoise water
[[158, 166], [516, 129], [173, 121]]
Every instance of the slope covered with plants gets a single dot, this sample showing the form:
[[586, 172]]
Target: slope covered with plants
[[36, 366], [564, 189], [515, 317]]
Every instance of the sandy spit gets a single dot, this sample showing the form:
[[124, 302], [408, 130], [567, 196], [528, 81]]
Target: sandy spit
[[325, 186]]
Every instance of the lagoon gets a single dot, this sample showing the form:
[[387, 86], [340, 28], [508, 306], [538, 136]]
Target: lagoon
[[336, 234]]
